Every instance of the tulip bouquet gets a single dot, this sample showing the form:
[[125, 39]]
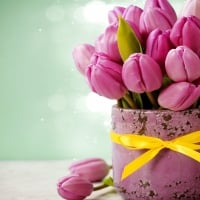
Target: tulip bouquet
[[146, 58]]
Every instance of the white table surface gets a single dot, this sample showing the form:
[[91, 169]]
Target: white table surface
[[36, 180]]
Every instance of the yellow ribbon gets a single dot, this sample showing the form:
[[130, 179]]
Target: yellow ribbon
[[187, 145]]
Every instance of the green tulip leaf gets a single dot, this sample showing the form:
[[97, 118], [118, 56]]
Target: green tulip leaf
[[127, 40]]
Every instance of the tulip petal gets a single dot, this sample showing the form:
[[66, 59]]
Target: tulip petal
[[74, 187], [107, 43], [191, 7], [158, 46], [132, 14], [182, 64], [113, 15], [81, 55], [93, 169], [141, 73], [153, 18], [163, 5], [104, 77], [186, 32], [179, 96]]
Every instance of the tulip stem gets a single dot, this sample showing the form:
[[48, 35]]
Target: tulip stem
[[137, 99], [129, 101], [119, 103], [152, 99], [125, 104], [99, 187]]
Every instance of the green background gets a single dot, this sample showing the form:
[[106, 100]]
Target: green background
[[47, 110]]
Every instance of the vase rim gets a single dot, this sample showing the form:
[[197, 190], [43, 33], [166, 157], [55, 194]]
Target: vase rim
[[115, 107]]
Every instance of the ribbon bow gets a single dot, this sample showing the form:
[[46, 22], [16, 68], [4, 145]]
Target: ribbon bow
[[187, 145]]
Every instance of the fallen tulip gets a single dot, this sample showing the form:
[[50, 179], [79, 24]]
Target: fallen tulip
[[92, 169], [74, 187]]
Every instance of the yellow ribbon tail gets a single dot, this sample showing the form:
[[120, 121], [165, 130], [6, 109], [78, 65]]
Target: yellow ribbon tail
[[193, 137], [186, 151], [139, 162]]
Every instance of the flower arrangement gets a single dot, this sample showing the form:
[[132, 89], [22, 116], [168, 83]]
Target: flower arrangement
[[146, 58]]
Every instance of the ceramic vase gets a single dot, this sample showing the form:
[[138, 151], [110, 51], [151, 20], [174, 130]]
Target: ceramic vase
[[168, 176]]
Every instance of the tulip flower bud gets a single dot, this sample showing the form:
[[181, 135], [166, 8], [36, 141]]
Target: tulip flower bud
[[157, 46], [163, 5], [179, 96], [81, 55], [93, 169], [191, 7], [132, 14], [107, 43], [74, 188], [105, 77], [153, 18], [141, 73], [186, 32], [182, 64], [113, 15]]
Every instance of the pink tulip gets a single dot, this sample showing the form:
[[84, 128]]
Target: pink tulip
[[132, 14], [163, 5], [141, 73], [107, 43], [105, 77], [182, 64], [179, 96], [113, 15], [186, 32], [153, 18], [93, 169], [157, 46], [81, 55], [191, 7], [74, 188]]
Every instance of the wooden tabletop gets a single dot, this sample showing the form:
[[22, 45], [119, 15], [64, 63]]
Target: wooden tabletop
[[36, 180]]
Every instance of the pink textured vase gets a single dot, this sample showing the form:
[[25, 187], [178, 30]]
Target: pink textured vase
[[168, 176]]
